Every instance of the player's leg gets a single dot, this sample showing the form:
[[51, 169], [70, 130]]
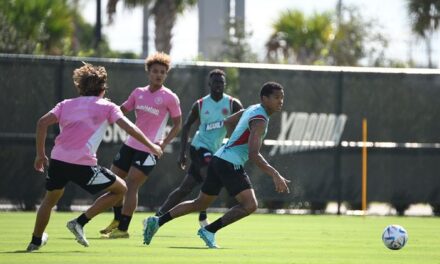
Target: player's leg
[[200, 159], [95, 179], [210, 189], [57, 178], [176, 196], [121, 165], [203, 216], [238, 185], [114, 194], [39, 238], [152, 224]]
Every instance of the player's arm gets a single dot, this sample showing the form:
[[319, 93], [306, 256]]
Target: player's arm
[[124, 110], [43, 123], [177, 125], [135, 132], [257, 128], [191, 118], [236, 105], [231, 122]]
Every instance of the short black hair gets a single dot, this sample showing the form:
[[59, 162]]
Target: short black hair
[[269, 87], [217, 72]]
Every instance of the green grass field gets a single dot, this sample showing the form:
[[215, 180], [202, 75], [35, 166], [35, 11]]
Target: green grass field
[[256, 239]]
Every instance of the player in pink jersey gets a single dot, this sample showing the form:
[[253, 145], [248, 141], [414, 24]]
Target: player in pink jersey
[[83, 122], [153, 105]]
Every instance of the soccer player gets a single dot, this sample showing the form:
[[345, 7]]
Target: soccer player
[[83, 121], [209, 111], [153, 105], [226, 169]]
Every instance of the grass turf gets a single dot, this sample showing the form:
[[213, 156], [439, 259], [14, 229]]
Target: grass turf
[[256, 239]]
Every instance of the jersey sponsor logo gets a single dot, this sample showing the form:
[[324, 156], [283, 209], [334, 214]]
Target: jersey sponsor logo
[[301, 132], [214, 125], [148, 109]]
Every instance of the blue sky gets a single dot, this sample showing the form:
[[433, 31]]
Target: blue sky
[[125, 34]]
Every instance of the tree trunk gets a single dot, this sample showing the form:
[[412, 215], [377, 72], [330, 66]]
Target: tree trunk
[[145, 31], [165, 13]]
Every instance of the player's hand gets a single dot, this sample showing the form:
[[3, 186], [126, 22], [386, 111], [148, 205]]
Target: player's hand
[[181, 162], [281, 184], [162, 145], [40, 162], [157, 150]]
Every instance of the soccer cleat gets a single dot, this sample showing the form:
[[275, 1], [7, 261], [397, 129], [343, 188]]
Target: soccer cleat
[[151, 225], [78, 231], [33, 247], [204, 223], [112, 226], [116, 233], [208, 237]]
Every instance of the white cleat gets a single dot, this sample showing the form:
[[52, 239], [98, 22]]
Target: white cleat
[[78, 231]]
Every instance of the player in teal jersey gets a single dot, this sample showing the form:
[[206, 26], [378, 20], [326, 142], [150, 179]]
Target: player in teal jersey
[[210, 111], [226, 169]]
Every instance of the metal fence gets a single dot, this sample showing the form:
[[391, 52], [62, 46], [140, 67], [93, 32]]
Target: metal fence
[[314, 141]]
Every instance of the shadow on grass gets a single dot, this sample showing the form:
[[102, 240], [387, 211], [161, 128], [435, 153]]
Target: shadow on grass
[[196, 248], [42, 252]]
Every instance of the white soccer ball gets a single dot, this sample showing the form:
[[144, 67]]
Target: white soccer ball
[[394, 237]]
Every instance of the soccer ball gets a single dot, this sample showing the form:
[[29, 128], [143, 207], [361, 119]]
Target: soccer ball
[[394, 237]]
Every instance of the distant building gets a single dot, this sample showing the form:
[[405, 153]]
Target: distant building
[[213, 20]]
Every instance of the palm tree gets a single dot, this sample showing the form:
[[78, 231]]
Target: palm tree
[[425, 19], [165, 14]]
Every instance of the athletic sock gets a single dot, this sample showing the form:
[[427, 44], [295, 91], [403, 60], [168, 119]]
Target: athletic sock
[[36, 240], [82, 220], [117, 212], [159, 213], [165, 218], [215, 226], [202, 216], [124, 222]]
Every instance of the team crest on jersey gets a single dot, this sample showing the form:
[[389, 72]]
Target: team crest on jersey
[[206, 112], [158, 100], [225, 111]]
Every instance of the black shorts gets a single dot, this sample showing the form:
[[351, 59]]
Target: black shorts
[[200, 158], [225, 174], [128, 156], [91, 178]]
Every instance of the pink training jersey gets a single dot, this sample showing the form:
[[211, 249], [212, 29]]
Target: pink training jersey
[[83, 122], [152, 112]]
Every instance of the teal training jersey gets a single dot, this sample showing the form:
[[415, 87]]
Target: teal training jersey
[[211, 131], [236, 150]]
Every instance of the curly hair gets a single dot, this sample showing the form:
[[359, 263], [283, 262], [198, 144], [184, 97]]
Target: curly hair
[[159, 58], [90, 80]]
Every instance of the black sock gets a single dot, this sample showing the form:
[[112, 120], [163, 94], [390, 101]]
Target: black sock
[[124, 222], [165, 218], [215, 226], [82, 219], [117, 212], [36, 240], [202, 216], [159, 213]]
